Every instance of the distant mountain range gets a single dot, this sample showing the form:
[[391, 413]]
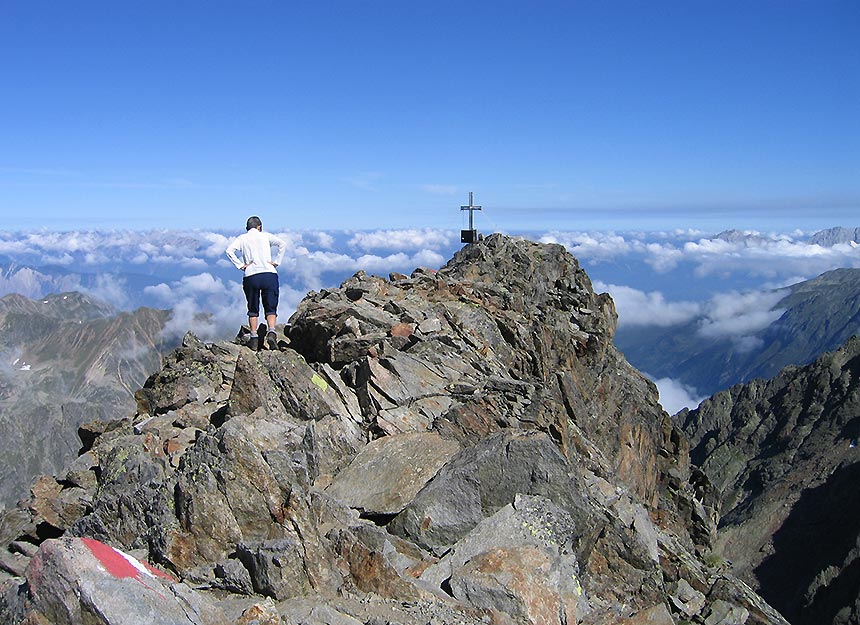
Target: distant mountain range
[[818, 315], [37, 281], [835, 236], [825, 238], [67, 359], [31, 282]]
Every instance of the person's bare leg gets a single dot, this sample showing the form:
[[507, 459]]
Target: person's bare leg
[[270, 321], [253, 322]]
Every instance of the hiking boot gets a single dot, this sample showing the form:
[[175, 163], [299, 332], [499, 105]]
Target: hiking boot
[[272, 340], [251, 341]]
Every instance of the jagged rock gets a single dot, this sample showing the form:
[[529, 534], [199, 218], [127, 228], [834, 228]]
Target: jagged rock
[[260, 614], [194, 376], [276, 568], [308, 613], [655, 615], [91, 430], [78, 360], [687, 599], [390, 471], [782, 456], [56, 506], [228, 496], [131, 498], [13, 563], [284, 383], [723, 613], [730, 593], [520, 582], [447, 515], [509, 465], [476, 569], [679, 563], [232, 576], [503, 308], [72, 581], [529, 521], [381, 563], [480, 480]]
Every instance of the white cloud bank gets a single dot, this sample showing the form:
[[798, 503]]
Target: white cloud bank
[[638, 308], [738, 315], [769, 255], [190, 266], [675, 396], [772, 256], [725, 316], [211, 308], [403, 240]]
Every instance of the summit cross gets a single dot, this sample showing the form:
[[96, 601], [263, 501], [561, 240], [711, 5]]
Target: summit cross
[[471, 208]]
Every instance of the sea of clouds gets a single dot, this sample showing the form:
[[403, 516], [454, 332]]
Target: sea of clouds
[[727, 283]]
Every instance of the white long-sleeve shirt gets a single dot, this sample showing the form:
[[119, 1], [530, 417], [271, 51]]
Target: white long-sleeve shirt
[[253, 251]]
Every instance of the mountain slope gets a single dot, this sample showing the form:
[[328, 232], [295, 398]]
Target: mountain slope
[[69, 359], [818, 315], [458, 446], [784, 456]]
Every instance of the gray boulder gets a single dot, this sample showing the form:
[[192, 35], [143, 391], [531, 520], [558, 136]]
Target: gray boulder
[[388, 473], [72, 581], [481, 480]]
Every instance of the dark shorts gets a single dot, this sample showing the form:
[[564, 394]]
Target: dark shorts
[[261, 284]]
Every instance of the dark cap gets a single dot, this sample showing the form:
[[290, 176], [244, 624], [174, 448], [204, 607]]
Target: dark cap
[[253, 222]]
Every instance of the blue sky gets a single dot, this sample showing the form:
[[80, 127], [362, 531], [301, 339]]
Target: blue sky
[[350, 114]]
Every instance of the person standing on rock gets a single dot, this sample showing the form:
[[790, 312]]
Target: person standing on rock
[[252, 253]]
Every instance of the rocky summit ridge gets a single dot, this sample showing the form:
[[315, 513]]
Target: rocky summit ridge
[[458, 446]]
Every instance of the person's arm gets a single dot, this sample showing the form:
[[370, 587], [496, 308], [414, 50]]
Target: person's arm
[[282, 248], [231, 254]]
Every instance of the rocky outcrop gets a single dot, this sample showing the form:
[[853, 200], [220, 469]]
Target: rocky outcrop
[[108, 585], [458, 446], [784, 457]]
